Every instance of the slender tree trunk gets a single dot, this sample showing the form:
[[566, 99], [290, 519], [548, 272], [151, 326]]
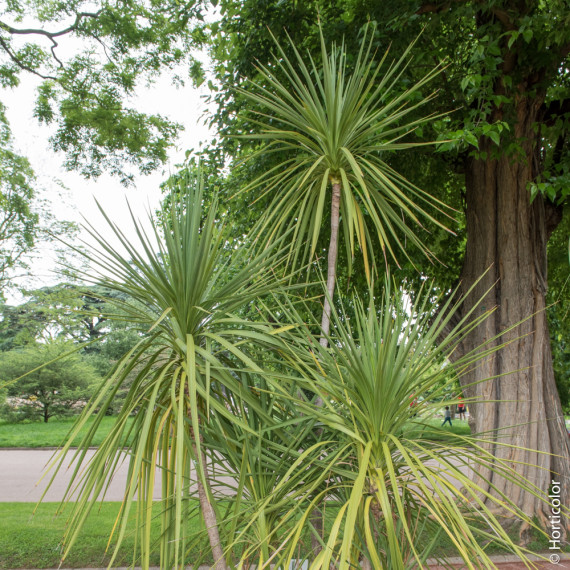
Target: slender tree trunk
[[331, 267], [520, 405], [210, 519], [208, 512], [317, 519]]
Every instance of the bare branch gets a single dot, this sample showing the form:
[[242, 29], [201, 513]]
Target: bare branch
[[50, 35], [55, 44]]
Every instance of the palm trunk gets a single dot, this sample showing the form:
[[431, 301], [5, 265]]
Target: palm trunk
[[317, 518], [210, 519], [332, 257]]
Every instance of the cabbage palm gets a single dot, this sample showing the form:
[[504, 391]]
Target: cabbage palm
[[391, 481], [186, 287], [331, 129]]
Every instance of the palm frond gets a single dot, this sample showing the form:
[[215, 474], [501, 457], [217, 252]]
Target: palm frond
[[186, 289], [330, 124]]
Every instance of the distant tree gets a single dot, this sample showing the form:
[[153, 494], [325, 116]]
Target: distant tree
[[64, 312], [41, 383], [72, 313]]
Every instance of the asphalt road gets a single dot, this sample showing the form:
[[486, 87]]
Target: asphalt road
[[23, 477]]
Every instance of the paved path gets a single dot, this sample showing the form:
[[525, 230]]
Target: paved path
[[21, 472], [22, 469], [510, 562]]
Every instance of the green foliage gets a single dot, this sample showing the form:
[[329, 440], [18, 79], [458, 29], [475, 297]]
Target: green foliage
[[42, 382], [333, 125], [559, 308], [227, 395], [73, 313], [24, 220], [19, 223], [494, 54], [379, 465], [91, 57], [183, 287], [60, 312], [70, 312]]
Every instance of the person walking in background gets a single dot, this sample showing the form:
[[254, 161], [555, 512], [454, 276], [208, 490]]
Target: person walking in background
[[413, 405], [447, 417], [461, 408]]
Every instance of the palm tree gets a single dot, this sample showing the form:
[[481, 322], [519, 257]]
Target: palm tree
[[332, 130], [396, 485], [185, 287]]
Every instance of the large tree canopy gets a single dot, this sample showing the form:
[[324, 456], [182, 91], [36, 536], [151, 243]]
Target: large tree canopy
[[506, 165], [89, 58]]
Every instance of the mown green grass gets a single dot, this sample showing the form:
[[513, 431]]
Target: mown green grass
[[51, 434], [431, 429], [54, 433], [28, 541]]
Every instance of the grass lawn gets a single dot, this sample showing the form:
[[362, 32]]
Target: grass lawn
[[54, 433], [51, 434], [28, 541], [431, 429]]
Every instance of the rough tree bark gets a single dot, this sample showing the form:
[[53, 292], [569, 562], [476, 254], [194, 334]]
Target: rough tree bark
[[508, 234]]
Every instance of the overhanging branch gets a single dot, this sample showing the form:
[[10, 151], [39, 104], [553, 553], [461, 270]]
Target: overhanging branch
[[38, 31]]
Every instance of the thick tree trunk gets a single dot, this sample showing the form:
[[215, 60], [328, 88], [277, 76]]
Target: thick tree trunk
[[520, 405]]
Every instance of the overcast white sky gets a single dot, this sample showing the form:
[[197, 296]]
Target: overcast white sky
[[184, 105]]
